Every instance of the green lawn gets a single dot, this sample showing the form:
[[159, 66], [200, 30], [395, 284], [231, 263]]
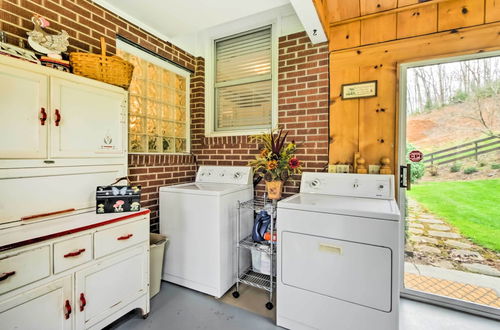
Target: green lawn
[[473, 207]]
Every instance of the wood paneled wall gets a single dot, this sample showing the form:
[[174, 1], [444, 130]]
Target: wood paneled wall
[[368, 39]]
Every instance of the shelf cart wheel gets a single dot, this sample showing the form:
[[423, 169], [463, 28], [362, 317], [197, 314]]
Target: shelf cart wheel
[[269, 305], [236, 294]]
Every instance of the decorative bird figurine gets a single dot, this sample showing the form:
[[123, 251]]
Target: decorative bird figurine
[[41, 41]]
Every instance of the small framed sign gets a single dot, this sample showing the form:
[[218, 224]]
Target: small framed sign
[[359, 90]]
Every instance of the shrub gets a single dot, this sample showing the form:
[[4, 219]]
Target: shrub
[[417, 169], [470, 170], [459, 97], [455, 168], [482, 164], [495, 166], [433, 170]]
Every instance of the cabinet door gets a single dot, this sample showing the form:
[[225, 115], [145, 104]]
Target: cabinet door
[[87, 121], [111, 284], [23, 100], [45, 307]]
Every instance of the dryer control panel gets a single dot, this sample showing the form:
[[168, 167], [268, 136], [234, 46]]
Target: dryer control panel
[[225, 174], [354, 185]]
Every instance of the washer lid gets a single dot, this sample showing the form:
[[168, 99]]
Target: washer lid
[[353, 206], [197, 188]]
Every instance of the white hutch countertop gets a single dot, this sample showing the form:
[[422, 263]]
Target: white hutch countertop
[[29, 232]]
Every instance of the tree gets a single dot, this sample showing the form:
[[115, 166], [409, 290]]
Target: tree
[[486, 114]]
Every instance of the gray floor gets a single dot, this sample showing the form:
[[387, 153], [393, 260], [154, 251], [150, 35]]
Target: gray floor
[[177, 308]]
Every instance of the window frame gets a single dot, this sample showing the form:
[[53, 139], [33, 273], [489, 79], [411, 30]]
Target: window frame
[[165, 64], [210, 96]]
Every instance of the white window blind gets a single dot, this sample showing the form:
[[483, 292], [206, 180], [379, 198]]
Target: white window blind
[[243, 81]]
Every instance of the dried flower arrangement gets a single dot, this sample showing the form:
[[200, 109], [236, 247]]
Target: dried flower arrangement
[[276, 161]]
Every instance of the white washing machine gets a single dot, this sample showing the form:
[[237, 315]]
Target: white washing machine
[[200, 221], [338, 254]]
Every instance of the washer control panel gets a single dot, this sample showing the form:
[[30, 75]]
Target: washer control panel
[[355, 185], [225, 174]]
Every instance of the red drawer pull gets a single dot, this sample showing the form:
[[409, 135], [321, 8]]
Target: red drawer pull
[[74, 254], [83, 302], [67, 309], [5, 276], [58, 117], [43, 116], [124, 237]]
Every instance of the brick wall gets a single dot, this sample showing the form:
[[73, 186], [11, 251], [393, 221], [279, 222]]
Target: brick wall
[[85, 22], [303, 112]]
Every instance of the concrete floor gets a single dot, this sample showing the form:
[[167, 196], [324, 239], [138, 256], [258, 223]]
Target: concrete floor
[[177, 308]]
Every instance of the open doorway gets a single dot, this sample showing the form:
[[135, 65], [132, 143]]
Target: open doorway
[[450, 137]]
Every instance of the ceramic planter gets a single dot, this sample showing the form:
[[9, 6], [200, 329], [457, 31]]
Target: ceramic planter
[[274, 189]]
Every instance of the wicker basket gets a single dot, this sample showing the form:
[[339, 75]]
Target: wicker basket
[[109, 69]]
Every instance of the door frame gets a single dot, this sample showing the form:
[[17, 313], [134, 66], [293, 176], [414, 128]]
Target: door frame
[[452, 303]]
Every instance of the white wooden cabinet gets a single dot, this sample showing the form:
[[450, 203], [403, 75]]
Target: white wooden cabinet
[[61, 136], [91, 120], [23, 106], [48, 115], [49, 306], [72, 287], [110, 285]]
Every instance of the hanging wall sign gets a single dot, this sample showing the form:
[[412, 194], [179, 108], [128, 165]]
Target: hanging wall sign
[[416, 156], [359, 90]]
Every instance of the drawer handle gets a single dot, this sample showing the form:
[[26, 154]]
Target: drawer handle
[[67, 309], [124, 237], [74, 254], [330, 248], [83, 302], [5, 276], [58, 117], [43, 116]]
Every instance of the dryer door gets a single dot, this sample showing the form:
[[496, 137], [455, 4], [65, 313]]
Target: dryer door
[[353, 272]]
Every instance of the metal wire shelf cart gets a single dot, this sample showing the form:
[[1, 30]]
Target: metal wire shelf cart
[[248, 276]]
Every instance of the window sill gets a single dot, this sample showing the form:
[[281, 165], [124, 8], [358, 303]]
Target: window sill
[[161, 153], [247, 132]]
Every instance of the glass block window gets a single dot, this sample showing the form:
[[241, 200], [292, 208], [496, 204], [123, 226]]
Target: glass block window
[[159, 115]]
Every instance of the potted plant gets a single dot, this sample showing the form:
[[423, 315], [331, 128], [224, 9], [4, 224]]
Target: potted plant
[[276, 161]]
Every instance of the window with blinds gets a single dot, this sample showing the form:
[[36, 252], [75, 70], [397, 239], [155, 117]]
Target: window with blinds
[[243, 81]]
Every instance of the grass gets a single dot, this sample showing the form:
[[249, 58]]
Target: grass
[[473, 207]]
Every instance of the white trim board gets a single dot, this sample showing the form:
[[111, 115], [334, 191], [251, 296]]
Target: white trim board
[[306, 11]]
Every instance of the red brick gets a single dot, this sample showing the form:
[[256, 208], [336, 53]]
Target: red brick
[[56, 7], [35, 8]]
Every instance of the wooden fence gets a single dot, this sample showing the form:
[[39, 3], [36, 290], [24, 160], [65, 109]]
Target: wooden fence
[[462, 151]]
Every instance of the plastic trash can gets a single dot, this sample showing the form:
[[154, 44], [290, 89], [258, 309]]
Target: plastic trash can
[[156, 251]]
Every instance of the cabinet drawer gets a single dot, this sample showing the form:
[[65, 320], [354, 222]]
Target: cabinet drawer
[[23, 268], [72, 252], [117, 238]]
